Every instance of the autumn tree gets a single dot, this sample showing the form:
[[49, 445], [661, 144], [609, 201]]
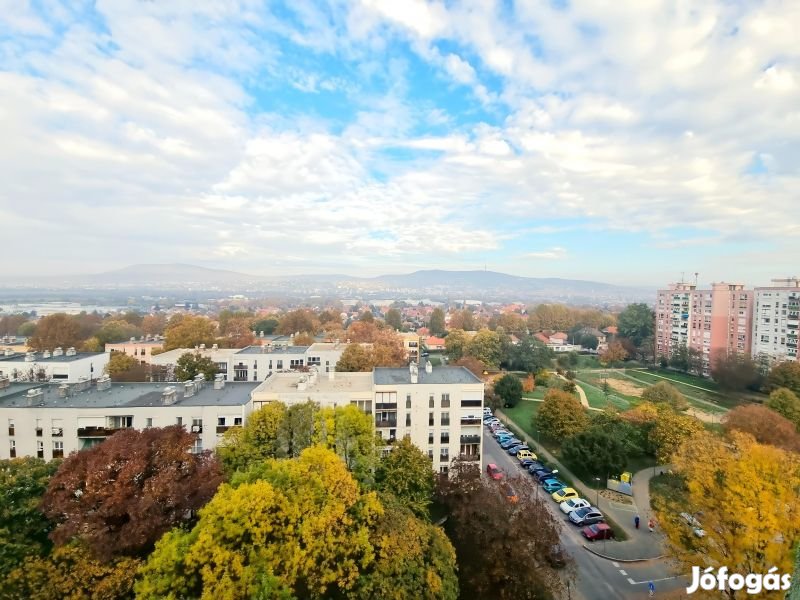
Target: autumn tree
[[784, 375], [72, 572], [188, 331], [362, 331], [303, 339], [473, 364], [509, 388], [238, 332], [10, 324], [354, 359], [23, 528], [665, 429], [191, 364], [54, 331], [510, 322], [117, 330], [394, 319], [554, 317], [560, 415], [529, 384], [786, 403], [119, 497], [596, 451], [406, 473], [745, 494], [455, 344], [666, 393], [298, 321], [765, 425], [613, 354], [436, 322], [256, 441], [119, 363], [463, 319], [486, 346], [154, 324], [736, 372], [366, 316], [489, 534]]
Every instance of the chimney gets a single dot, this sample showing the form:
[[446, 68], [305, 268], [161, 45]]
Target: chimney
[[188, 388], [34, 395], [133, 339], [58, 351], [219, 381], [202, 346], [103, 383], [215, 347], [63, 390], [199, 380], [70, 351], [46, 354], [168, 396], [30, 356], [413, 371], [301, 384], [428, 367]]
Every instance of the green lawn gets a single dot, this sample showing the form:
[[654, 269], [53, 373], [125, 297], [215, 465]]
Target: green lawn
[[537, 393], [722, 400], [597, 399]]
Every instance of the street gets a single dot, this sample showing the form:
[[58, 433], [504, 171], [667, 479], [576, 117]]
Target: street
[[597, 578]]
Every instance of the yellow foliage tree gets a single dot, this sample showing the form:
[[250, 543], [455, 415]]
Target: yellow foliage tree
[[746, 497], [258, 440], [529, 384], [187, 331]]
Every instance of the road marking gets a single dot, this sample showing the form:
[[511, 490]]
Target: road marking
[[616, 565], [623, 572], [632, 582]]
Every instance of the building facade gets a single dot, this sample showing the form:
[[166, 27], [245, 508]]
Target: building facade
[[776, 320], [141, 350], [61, 365]]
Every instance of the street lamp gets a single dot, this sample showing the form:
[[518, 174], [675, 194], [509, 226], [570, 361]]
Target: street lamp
[[598, 480]]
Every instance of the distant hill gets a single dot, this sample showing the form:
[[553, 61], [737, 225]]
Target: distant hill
[[175, 273]]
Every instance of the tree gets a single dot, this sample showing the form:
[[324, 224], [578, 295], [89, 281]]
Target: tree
[[511, 323], [765, 425], [54, 331], [509, 388], [119, 363], [303, 339], [117, 330], [613, 354], [350, 433], [72, 572], [27, 329], [362, 331], [119, 497], [750, 520], [529, 355], [473, 364], [299, 429], [489, 534], [23, 528], [596, 451], [266, 326], [388, 350], [256, 441], [680, 358], [189, 365], [529, 384], [354, 359], [455, 344], [670, 430], [463, 319], [636, 322], [569, 386], [366, 316], [394, 319], [784, 375], [695, 361], [587, 340], [10, 324], [187, 331], [666, 393], [304, 522], [561, 415], [786, 403], [230, 321], [239, 332], [436, 322], [486, 346], [406, 473], [154, 324], [736, 372], [298, 321]]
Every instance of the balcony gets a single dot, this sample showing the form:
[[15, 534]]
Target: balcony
[[470, 421], [224, 428], [466, 403], [470, 457], [386, 423], [470, 439], [95, 432], [57, 432]]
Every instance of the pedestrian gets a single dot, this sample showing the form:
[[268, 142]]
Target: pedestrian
[[651, 524], [636, 521]]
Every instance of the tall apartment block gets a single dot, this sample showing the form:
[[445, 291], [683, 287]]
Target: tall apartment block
[[716, 321], [776, 321]]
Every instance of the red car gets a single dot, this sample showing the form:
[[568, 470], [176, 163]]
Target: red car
[[598, 531], [493, 471]]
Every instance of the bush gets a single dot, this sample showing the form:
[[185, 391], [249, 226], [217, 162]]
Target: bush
[[509, 388]]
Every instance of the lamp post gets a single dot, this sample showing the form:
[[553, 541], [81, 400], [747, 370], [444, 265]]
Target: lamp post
[[598, 480]]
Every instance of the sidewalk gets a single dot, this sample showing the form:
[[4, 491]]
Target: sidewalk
[[641, 544]]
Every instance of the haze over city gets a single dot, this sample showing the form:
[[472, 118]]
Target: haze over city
[[621, 143]]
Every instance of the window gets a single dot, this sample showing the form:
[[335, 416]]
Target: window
[[58, 449], [430, 454], [279, 364], [430, 437], [408, 400], [57, 428], [430, 419], [12, 451], [386, 397], [363, 405], [431, 401], [197, 425], [11, 427], [443, 469], [294, 363], [445, 400], [237, 420], [408, 419], [149, 422], [314, 361], [39, 427], [445, 419], [445, 437], [444, 454], [179, 420], [40, 449], [221, 421], [197, 446]]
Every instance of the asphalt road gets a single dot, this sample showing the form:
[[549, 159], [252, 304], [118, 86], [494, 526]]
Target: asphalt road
[[596, 578]]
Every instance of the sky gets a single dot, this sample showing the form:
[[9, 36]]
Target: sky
[[626, 141]]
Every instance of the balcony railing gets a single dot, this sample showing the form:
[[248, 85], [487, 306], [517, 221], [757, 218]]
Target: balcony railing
[[95, 432], [386, 423], [470, 439], [57, 432], [470, 421], [224, 428], [470, 457]]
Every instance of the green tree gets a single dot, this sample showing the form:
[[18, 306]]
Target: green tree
[[509, 388], [299, 429], [636, 322], [785, 375], [596, 451], [355, 359], [486, 346], [529, 355], [587, 340], [27, 329], [189, 365], [266, 326], [561, 415], [786, 403], [455, 345], [436, 323], [23, 528], [117, 330], [394, 319], [680, 359], [188, 331], [351, 434], [257, 441], [119, 363], [54, 331], [665, 393], [406, 473]]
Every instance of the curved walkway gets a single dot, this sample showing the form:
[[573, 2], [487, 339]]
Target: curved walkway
[[581, 393]]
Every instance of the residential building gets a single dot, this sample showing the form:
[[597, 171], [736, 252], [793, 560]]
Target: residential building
[[62, 365], [713, 322], [776, 320], [557, 341], [411, 344], [434, 343], [141, 350], [51, 420]]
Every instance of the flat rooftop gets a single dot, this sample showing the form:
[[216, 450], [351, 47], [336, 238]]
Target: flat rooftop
[[20, 356], [439, 375], [342, 382], [274, 350], [127, 394]]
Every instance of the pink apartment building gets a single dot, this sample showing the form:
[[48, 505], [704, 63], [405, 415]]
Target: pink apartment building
[[716, 322], [142, 350]]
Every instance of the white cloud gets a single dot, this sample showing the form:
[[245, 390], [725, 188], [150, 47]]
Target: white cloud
[[554, 253]]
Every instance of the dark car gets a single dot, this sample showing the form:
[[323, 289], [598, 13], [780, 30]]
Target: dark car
[[535, 467], [526, 462], [599, 531], [543, 474], [508, 443], [586, 516], [514, 449]]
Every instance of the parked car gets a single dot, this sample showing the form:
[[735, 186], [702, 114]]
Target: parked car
[[514, 450], [525, 454], [599, 531], [573, 504], [493, 471], [565, 494], [557, 557], [586, 516], [553, 485], [510, 442], [526, 462], [511, 495], [535, 466], [542, 474]]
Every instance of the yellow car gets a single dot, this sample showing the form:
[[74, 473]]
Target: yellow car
[[523, 454], [564, 494]]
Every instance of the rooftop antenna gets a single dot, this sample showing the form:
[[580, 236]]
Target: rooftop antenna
[[682, 277], [695, 278]]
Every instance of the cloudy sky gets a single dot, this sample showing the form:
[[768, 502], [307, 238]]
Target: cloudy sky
[[617, 141]]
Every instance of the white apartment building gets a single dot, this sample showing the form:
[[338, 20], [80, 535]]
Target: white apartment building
[[141, 350], [439, 408], [256, 363], [51, 420], [776, 320], [66, 366]]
